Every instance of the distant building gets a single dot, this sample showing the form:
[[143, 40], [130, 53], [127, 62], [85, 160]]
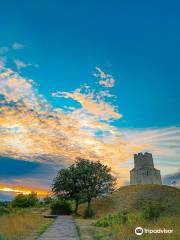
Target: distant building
[[144, 171]]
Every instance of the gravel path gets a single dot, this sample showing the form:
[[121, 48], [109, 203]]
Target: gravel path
[[63, 228]]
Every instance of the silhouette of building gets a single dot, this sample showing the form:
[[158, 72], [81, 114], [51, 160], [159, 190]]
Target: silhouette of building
[[144, 171]]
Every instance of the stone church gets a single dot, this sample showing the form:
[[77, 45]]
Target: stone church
[[144, 171]]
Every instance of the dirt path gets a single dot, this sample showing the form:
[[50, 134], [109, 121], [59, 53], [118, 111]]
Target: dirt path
[[63, 228]]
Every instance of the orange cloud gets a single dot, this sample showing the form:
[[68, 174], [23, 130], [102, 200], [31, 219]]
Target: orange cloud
[[23, 190], [92, 104]]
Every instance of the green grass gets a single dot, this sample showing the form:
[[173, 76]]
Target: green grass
[[108, 224], [110, 220], [44, 228]]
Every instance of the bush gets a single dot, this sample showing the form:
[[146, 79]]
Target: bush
[[152, 211], [4, 210], [24, 201], [119, 218], [47, 200], [89, 213], [61, 207]]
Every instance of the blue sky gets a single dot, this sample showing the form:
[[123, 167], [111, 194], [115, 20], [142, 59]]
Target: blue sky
[[59, 44]]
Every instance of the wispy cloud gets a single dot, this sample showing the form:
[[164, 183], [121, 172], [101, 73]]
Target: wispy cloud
[[172, 179], [20, 64], [3, 61], [17, 46], [162, 142], [105, 79], [5, 57], [92, 103]]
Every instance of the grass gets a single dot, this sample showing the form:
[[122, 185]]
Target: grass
[[44, 228], [133, 197], [23, 225], [108, 224], [121, 232], [88, 231]]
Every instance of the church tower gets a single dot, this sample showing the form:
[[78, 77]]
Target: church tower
[[144, 171]]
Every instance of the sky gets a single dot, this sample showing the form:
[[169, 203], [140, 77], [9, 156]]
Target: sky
[[95, 79]]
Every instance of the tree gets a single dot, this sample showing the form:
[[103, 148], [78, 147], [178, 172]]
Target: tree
[[95, 179], [24, 201], [32, 199], [66, 185], [83, 180], [47, 200]]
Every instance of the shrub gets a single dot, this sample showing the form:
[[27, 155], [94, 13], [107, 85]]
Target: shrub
[[32, 199], [61, 207], [152, 211], [47, 200], [119, 218], [4, 210], [89, 213], [24, 201]]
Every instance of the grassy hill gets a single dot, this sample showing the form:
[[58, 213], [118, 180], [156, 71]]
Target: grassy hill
[[133, 199]]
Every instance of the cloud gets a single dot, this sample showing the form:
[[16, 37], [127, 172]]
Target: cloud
[[172, 179], [33, 130], [20, 64], [163, 142], [92, 104], [23, 190], [3, 57], [106, 80], [3, 61], [17, 46]]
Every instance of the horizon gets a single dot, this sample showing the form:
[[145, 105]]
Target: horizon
[[92, 80]]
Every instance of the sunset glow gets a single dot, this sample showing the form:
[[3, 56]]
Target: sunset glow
[[23, 190]]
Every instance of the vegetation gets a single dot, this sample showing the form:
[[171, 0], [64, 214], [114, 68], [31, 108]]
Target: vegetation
[[83, 181], [22, 224], [66, 185], [24, 201], [61, 207], [152, 211], [4, 210], [134, 198], [47, 200], [119, 218], [44, 227], [22, 217], [89, 213], [117, 215]]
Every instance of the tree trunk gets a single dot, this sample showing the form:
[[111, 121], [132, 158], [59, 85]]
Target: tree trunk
[[76, 207], [89, 207]]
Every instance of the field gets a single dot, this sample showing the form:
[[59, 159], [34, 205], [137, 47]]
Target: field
[[116, 216], [23, 225], [133, 199]]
